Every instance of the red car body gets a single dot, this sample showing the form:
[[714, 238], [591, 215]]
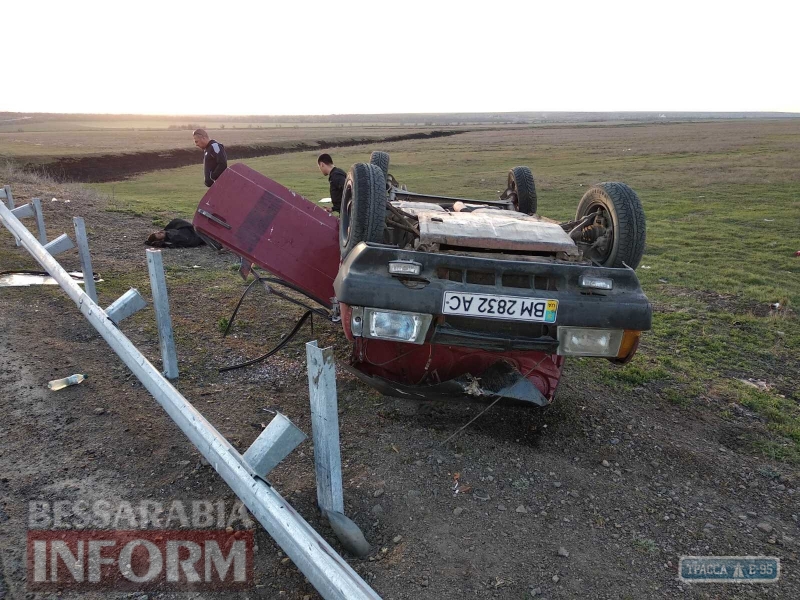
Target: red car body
[[273, 227]]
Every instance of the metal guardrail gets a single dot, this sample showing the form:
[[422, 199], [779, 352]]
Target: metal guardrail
[[328, 572], [325, 427], [158, 285]]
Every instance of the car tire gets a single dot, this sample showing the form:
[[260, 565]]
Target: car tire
[[363, 211], [623, 206], [520, 181], [381, 160]]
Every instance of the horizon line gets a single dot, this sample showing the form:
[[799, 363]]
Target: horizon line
[[340, 115]]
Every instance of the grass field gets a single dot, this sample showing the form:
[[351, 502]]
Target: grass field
[[42, 139], [722, 202], [36, 139], [39, 147]]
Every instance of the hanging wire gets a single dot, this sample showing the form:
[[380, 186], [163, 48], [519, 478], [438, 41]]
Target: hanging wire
[[310, 312], [283, 342]]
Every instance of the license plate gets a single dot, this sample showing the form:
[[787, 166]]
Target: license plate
[[491, 306]]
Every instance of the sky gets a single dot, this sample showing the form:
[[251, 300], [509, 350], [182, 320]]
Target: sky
[[303, 57]]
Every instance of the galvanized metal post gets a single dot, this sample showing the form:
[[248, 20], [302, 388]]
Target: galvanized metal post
[[123, 307], [328, 572], [10, 203], [274, 444], [26, 210], [325, 427], [61, 244], [37, 211], [158, 283], [9, 196], [86, 260]]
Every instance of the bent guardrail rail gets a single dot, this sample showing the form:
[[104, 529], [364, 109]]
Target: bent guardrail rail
[[328, 572]]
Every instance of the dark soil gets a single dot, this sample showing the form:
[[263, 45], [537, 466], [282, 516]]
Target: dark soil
[[116, 167], [483, 516]]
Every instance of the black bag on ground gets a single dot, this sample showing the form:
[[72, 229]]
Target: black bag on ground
[[177, 234]]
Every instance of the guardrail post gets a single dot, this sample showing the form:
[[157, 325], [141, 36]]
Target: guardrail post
[[37, 210], [158, 284], [61, 244], [325, 427], [9, 197], [273, 445], [10, 204], [26, 210], [86, 259], [123, 307]]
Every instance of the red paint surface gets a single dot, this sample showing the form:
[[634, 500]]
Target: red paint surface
[[413, 364], [274, 228]]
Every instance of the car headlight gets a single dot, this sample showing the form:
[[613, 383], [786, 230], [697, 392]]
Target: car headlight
[[588, 341], [383, 324]]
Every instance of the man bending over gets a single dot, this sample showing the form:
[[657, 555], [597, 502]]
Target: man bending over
[[215, 161]]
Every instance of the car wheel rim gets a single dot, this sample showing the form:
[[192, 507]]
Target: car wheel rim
[[512, 186], [347, 228], [598, 255]]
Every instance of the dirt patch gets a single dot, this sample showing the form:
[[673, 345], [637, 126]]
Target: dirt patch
[[483, 516], [716, 302], [116, 167]]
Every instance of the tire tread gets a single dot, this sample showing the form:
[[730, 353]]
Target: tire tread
[[526, 189], [631, 224], [380, 160], [369, 206]]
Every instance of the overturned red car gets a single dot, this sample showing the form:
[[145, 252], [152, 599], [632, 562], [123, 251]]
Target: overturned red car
[[448, 297]]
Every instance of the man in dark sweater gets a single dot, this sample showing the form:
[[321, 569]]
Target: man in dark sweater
[[336, 179], [215, 161]]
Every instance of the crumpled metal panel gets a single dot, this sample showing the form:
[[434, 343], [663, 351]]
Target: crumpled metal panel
[[516, 390], [274, 227]]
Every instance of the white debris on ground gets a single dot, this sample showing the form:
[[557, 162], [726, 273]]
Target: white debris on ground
[[759, 384]]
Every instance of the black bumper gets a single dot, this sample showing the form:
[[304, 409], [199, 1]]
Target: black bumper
[[364, 280]]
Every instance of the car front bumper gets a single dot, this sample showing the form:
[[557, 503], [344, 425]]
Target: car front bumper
[[364, 281]]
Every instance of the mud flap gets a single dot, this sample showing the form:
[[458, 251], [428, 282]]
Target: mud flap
[[499, 380]]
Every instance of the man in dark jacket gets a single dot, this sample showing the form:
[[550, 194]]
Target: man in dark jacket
[[177, 234], [336, 179], [215, 161]]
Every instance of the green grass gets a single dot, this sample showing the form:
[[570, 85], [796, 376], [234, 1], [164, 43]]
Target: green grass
[[645, 545], [222, 324], [722, 202]]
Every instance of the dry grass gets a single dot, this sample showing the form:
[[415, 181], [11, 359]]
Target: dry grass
[[39, 183], [43, 146]]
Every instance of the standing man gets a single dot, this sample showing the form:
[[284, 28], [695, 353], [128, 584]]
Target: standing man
[[336, 179], [215, 161]]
